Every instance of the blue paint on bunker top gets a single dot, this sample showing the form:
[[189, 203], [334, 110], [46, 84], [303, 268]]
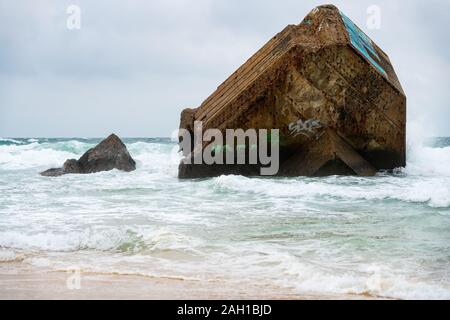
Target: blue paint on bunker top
[[362, 43]]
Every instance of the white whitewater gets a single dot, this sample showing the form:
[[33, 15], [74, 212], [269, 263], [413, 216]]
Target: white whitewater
[[386, 236]]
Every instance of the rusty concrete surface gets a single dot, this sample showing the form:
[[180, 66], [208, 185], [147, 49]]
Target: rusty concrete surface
[[329, 89]]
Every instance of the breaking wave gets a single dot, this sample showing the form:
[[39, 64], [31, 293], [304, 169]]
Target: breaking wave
[[45, 153], [384, 236], [116, 239]]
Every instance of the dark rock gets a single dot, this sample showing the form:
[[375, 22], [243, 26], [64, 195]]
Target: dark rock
[[110, 154], [72, 166], [56, 172]]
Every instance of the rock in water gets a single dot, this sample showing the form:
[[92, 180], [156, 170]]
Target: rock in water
[[329, 89], [110, 154]]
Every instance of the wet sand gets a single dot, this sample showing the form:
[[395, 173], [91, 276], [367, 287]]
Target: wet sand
[[53, 285], [29, 284]]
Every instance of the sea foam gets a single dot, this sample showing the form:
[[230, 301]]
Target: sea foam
[[384, 236]]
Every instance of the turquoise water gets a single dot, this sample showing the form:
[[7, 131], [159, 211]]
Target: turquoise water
[[386, 236]]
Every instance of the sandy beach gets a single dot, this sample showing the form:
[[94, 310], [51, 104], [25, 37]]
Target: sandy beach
[[53, 285], [17, 283]]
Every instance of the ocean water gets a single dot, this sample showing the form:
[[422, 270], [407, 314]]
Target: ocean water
[[386, 236]]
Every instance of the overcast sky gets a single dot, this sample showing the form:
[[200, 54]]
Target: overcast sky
[[134, 65]]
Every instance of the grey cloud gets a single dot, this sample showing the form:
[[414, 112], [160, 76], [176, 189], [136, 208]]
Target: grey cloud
[[146, 60]]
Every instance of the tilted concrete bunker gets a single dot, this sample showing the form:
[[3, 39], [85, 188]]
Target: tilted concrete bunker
[[329, 89]]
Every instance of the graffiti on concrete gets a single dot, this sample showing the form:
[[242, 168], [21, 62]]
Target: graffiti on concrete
[[308, 128]]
